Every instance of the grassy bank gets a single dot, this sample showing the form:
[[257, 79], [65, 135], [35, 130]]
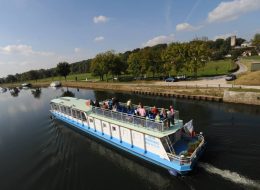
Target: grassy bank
[[249, 78]]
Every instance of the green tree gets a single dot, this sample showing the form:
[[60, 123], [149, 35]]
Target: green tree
[[175, 56], [100, 65], [63, 68], [33, 75], [239, 41], [198, 54], [235, 53], [134, 64], [10, 79], [153, 58], [115, 64], [256, 41]]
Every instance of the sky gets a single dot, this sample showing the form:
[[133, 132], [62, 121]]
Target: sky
[[38, 34]]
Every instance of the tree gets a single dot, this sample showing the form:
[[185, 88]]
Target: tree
[[99, 65], [10, 79], [2, 80], [63, 68], [115, 64], [239, 41], [134, 64], [152, 60], [256, 41], [175, 56], [33, 75], [198, 55], [235, 53]]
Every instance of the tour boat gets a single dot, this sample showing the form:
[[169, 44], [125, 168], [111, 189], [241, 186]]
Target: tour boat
[[170, 145]]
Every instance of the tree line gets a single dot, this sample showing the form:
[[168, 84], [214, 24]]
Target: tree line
[[159, 60]]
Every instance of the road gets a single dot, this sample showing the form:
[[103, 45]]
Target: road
[[217, 81]]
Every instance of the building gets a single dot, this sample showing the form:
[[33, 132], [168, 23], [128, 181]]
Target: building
[[233, 41]]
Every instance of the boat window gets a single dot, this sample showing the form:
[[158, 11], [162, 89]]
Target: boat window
[[68, 111], [62, 109], [56, 107], [74, 113], [78, 114], [83, 116]]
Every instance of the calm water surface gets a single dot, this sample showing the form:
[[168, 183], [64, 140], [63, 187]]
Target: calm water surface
[[39, 153]]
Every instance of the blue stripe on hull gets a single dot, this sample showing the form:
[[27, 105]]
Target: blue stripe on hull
[[148, 156]]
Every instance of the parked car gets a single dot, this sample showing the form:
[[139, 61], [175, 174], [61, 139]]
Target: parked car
[[230, 77], [170, 79], [181, 77]]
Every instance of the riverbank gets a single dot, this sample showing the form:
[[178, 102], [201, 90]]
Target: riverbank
[[218, 94]]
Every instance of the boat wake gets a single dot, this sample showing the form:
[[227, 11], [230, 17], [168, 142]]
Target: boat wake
[[231, 176]]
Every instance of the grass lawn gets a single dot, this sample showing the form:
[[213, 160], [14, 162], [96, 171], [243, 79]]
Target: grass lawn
[[254, 58], [249, 78], [213, 68]]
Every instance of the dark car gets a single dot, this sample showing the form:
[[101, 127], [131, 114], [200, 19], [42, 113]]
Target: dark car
[[170, 79], [230, 77]]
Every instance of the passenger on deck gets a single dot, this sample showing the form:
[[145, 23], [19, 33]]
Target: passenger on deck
[[169, 119], [163, 114], [150, 115], [92, 103], [97, 103], [115, 101], [154, 110], [157, 117], [129, 104], [105, 105], [139, 105], [110, 104], [172, 112], [114, 108], [142, 111]]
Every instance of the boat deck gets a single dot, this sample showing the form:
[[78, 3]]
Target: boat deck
[[183, 146]]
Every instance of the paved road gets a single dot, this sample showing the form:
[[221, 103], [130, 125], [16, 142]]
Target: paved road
[[242, 68], [218, 81]]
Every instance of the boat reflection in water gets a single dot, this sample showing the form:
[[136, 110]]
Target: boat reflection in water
[[36, 92], [14, 92], [67, 93]]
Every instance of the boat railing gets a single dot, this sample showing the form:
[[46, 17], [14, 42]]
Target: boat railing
[[132, 119], [187, 159], [202, 142]]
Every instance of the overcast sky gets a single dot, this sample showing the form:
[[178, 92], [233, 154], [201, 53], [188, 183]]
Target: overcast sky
[[40, 33]]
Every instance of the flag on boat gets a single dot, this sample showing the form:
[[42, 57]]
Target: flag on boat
[[188, 127]]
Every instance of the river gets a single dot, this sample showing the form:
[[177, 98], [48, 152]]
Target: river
[[37, 152]]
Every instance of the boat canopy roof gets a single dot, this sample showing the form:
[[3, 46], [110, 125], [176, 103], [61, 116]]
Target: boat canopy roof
[[79, 104]]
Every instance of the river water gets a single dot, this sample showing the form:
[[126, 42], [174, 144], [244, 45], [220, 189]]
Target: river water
[[37, 152]]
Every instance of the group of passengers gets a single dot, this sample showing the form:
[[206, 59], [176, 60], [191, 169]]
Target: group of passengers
[[153, 113]]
